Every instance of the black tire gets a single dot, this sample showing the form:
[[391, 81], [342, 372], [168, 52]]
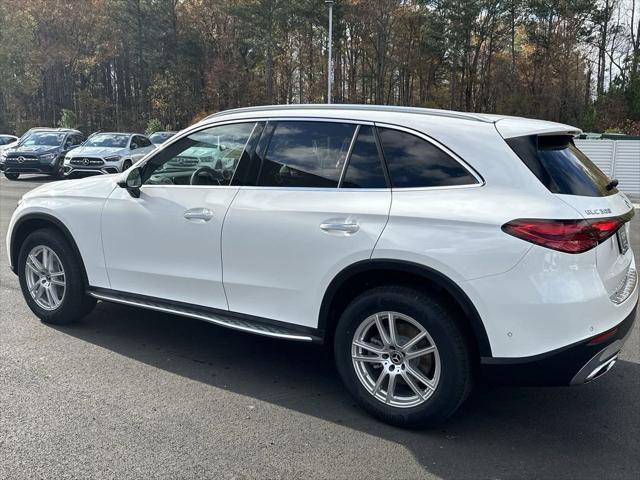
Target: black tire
[[12, 175], [456, 374], [75, 303], [126, 165], [59, 170]]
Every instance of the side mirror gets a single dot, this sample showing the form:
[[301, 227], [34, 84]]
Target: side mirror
[[132, 182], [134, 146]]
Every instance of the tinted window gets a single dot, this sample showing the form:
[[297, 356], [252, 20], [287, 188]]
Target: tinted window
[[306, 154], [206, 157], [75, 140], [414, 162], [143, 142], [560, 166], [364, 169]]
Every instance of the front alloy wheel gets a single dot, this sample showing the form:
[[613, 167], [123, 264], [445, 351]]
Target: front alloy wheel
[[52, 278], [396, 359], [45, 277]]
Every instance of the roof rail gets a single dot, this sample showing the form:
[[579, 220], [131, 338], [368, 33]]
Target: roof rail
[[363, 107]]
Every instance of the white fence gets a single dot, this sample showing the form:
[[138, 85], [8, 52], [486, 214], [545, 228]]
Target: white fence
[[618, 159]]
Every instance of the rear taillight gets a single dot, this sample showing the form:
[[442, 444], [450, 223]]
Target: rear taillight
[[569, 236]]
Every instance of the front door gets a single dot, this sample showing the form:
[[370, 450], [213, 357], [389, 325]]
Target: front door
[[166, 243]]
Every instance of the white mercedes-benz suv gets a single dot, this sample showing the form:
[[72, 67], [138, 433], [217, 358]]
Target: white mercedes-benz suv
[[106, 152], [426, 247]]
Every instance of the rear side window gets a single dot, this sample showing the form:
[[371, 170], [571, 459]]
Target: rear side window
[[306, 154], [414, 162], [560, 166], [364, 169]]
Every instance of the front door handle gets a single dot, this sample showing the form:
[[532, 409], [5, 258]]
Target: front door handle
[[198, 214], [337, 226]]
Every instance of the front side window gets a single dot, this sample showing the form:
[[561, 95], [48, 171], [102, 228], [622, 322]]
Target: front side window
[[142, 142], [414, 162], [206, 157], [306, 154]]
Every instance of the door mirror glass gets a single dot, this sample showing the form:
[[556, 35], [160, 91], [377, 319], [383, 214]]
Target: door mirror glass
[[134, 179], [132, 182]]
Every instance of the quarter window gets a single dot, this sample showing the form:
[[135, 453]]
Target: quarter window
[[306, 154], [414, 162], [364, 169], [206, 157]]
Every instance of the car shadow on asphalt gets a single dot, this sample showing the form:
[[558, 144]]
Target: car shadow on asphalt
[[590, 431]]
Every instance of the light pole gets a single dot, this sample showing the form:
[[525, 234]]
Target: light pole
[[329, 62]]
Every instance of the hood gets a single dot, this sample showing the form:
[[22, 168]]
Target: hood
[[33, 150], [99, 186], [100, 152]]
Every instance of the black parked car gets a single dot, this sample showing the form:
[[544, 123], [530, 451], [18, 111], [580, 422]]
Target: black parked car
[[41, 150]]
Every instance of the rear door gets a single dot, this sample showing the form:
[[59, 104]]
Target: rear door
[[315, 200], [567, 172]]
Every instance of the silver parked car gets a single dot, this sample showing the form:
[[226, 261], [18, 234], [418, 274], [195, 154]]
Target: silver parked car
[[107, 152]]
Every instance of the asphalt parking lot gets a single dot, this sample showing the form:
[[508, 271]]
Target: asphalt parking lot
[[128, 393]]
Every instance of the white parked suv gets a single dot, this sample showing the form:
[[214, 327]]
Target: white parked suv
[[426, 247], [106, 152]]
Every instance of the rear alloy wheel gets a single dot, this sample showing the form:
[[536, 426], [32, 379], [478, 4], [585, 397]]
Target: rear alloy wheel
[[396, 359], [11, 175], [52, 278], [402, 355]]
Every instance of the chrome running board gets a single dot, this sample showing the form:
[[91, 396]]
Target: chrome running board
[[245, 324]]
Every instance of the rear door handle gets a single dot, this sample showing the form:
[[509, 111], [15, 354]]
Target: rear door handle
[[198, 214], [335, 226]]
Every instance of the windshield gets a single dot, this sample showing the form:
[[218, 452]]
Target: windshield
[[108, 140], [44, 138], [160, 137]]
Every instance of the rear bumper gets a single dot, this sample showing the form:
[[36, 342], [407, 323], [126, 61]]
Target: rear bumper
[[574, 364]]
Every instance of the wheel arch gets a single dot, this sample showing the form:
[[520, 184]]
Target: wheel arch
[[366, 274], [35, 221]]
